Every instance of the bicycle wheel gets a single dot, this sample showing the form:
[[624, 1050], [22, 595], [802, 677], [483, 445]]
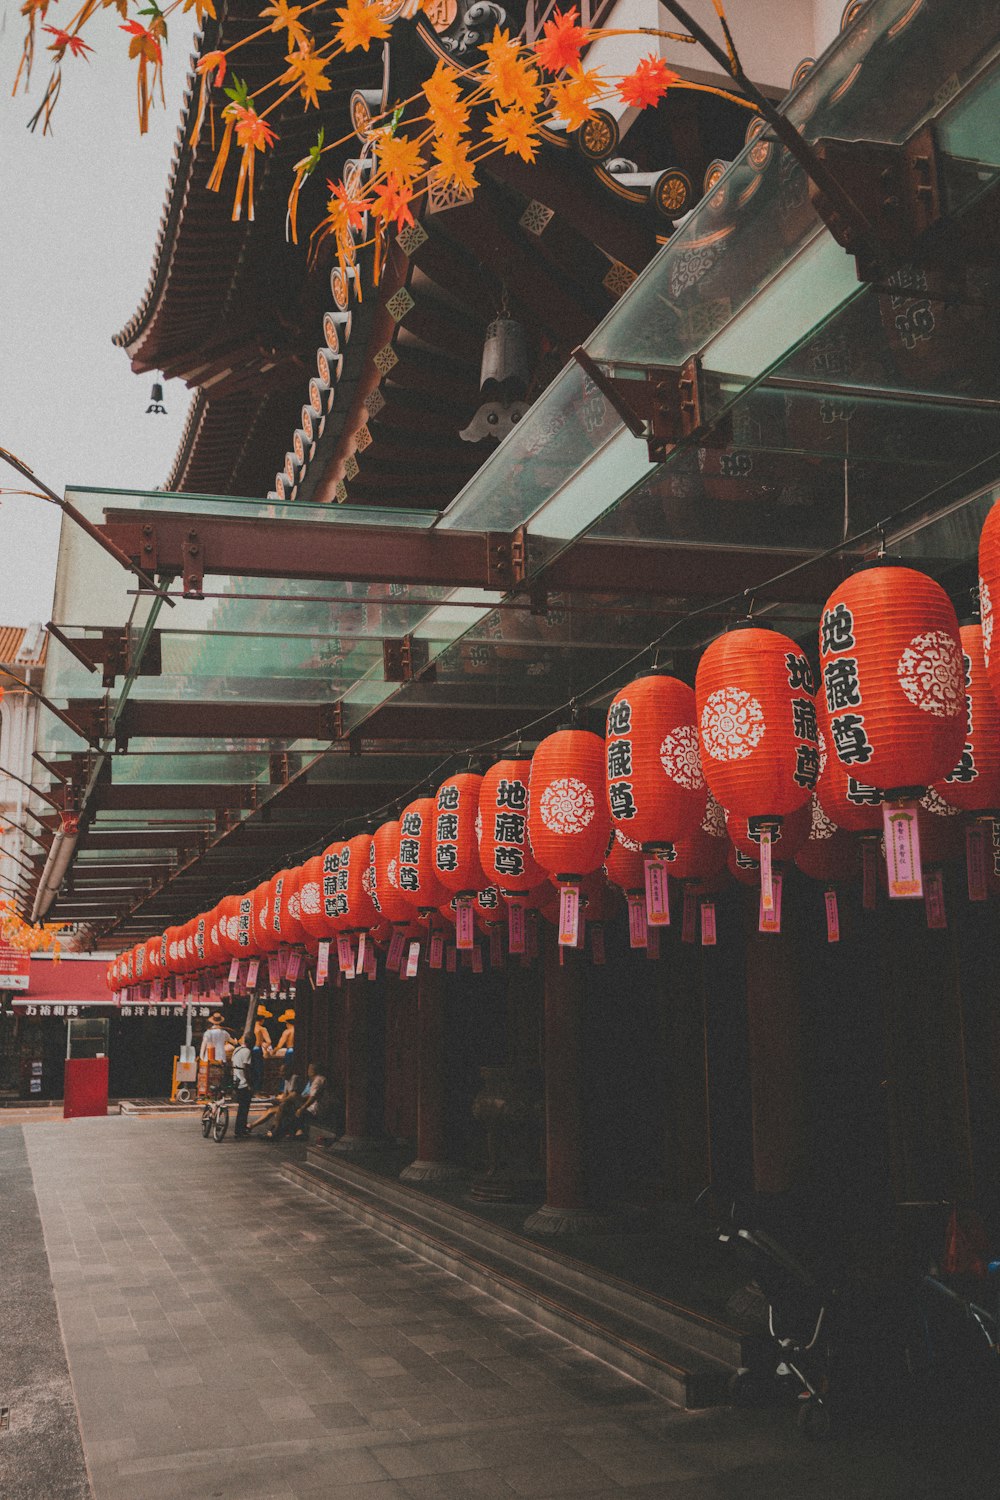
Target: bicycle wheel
[[206, 1121], [221, 1123]]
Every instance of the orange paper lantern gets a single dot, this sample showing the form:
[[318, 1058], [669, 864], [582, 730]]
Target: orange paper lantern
[[974, 783], [417, 874], [569, 824], [504, 848], [893, 679], [787, 834], [625, 865], [388, 898], [456, 844], [757, 723], [828, 854], [310, 893], [655, 785]]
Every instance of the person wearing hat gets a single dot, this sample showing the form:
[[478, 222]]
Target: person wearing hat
[[286, 1041], [262, 1047], [215, 1040]]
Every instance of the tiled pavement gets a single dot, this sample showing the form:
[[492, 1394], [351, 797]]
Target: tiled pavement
[[232, 1338]]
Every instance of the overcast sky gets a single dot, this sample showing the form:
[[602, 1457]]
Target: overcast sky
[[79, 211]]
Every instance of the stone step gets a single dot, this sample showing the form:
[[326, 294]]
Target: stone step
[[680, 1354]]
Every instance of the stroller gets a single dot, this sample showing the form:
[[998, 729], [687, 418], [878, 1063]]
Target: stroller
[[845, 1346]]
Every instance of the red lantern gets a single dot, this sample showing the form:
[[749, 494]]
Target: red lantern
[[417, 876], [568, 820], [286, 912], [851, 804], [455, 839], [893, 679], [356, 865], [757, 723], [989, 592], [504, 850], [655, 784], [174, 958], [701, 856], [625, 865], [787, 834], [974, 783], [262, 939], [829, 854], [387, 896], [311, 915], [942, 830]]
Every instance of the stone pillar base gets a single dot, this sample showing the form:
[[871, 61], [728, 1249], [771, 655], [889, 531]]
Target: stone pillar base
[[503, 1187], [355, 1145], [553, 1221], [431, 1171]]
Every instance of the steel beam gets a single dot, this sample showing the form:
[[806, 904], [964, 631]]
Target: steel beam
[[310, 796]]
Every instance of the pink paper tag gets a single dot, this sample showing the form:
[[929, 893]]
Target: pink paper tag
[[157, 990], [273, 970], [464, 925], [657, 895], [450, 958], [144, 990], [252, 971], [234, 971], [637, 914], [975, 861], [515, 927], [902, 851], [708, 924], [934, 900], [412, 960], [241, 977], [371, 962], [345, 955], [293, 968], [395, 949], [435, 955], [689, 921], [284, 954], [770, 918], [323, 964], [869, 876], [832, 917], [359, 963], [767, 882], [477, 959], [496, 947], [569, 916], [597, 943]]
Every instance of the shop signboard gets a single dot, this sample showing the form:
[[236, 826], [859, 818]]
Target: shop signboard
[[15, 969]]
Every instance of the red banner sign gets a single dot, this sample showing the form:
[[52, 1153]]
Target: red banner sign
[[15, 969]]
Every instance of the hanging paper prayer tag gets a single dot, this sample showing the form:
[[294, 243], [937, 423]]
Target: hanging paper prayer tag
[[569, 916], [515, 927], [637, 925], [902, 851], [975, 861], [435, 956], [323, 963], [253, 969], [395, 949], [937, 917], [708, 924], [362, 949], [412, 960], [273, 971], [770, 921], [657, 894], [371, 962], [345, 955], [832, 917], [294, 967], [464, 924], [767, 880], [689, 920], [234, 969]]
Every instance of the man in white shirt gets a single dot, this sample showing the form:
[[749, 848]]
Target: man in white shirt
[[241, 1060], [213, 1043]]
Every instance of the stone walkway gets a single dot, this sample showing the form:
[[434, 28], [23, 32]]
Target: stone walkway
[[231, 1338]]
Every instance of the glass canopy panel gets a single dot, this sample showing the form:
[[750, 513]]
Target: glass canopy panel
[[90, 500]]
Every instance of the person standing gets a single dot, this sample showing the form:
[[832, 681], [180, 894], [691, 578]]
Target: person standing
[[241, 1060], [213, 1043]]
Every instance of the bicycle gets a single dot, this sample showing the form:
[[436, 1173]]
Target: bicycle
[[215, 1116]]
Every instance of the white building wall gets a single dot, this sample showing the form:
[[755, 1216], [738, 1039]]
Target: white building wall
[[18, 717]]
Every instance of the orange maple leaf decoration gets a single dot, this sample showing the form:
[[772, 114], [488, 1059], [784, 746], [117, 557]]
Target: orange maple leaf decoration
[[647, 84], [572, 96], [400, 157], [360, 24], [64, 43], [392, 203], [287, 17], [454, 166], [254, 134], [216, 60], [516, 131], [343, 211], [561, 42], [308, 72], [503, 74]]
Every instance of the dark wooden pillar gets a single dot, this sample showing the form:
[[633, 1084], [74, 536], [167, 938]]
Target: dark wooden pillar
[[567, 1206], [357, 1125], [431, 1164]]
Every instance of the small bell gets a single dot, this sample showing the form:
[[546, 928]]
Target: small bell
[[156, 406], [503, 380]]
